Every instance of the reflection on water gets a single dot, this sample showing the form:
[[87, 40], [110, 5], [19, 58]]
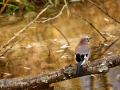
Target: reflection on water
[[45, 49]]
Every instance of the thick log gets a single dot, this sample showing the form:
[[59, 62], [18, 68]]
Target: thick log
[[43, 81]]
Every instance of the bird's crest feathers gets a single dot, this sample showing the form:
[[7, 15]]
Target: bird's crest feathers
[[84, 40]]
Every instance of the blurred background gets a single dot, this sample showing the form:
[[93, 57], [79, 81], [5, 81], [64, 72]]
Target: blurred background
[[46, 48]]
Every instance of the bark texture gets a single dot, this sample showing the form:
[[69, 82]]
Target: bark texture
[[42, 81]]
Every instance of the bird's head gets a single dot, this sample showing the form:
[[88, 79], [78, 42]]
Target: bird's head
[[85, 39]]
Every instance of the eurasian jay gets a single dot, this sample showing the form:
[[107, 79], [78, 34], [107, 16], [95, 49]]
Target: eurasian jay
[[82, 52]]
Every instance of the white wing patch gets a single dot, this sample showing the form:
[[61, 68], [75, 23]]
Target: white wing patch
[[84, 60], [75, 56]]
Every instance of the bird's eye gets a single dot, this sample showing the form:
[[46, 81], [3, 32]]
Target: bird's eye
[[88, 38]]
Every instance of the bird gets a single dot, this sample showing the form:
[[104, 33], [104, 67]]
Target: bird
[[82, 52]]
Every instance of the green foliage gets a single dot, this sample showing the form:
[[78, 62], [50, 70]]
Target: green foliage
[[29, 7], [23, 1], [11, 8]]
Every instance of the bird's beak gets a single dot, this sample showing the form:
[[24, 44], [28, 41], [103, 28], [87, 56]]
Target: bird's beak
[[88, 39]]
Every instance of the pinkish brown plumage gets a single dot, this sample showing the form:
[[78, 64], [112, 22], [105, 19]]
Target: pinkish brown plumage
[[82, 52]]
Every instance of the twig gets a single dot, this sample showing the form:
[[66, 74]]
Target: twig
[[103, 51], [90, 25], [61, 33], [52, 17], [8, 4], [3, 7], [104, 11], [110, 45], [64, 37], [68, 11], [22, 30], [68, 72], [50, 1], [13, 45], [61, 11]]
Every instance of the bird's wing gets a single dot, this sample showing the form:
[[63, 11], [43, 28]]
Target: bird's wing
[[81, 53], [81, 58], [82, 49]]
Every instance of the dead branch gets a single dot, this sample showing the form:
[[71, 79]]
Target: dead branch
[[61, 33], [34, 21], [13, 45], [104, 11], [68, 72], [90, 25], [63, 36], [110, 45], [54, 16], [68, 12], [102, 53], [22, 30], [3, 7]]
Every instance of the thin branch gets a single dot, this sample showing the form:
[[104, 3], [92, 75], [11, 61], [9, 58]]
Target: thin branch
[[8, 4], [104, 50], [3, 7], [61, 33], [68, 72], [90, 25], [22, 30], [110, 45], [51, 2], [53, 17], [104, 11], [63, 36], [68, 11], [13, 45]]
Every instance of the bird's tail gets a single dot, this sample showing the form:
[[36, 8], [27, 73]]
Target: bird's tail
[[79, 69]]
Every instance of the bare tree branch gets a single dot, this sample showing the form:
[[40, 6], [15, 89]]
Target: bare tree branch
[[90, 25], [111, 45], [68, 11], [3, 7], [61, 33], [13, 45], [68, 72], [34, 21], [104, 11], [103, 52], [22, 30], [53, 17], [64, 37]]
